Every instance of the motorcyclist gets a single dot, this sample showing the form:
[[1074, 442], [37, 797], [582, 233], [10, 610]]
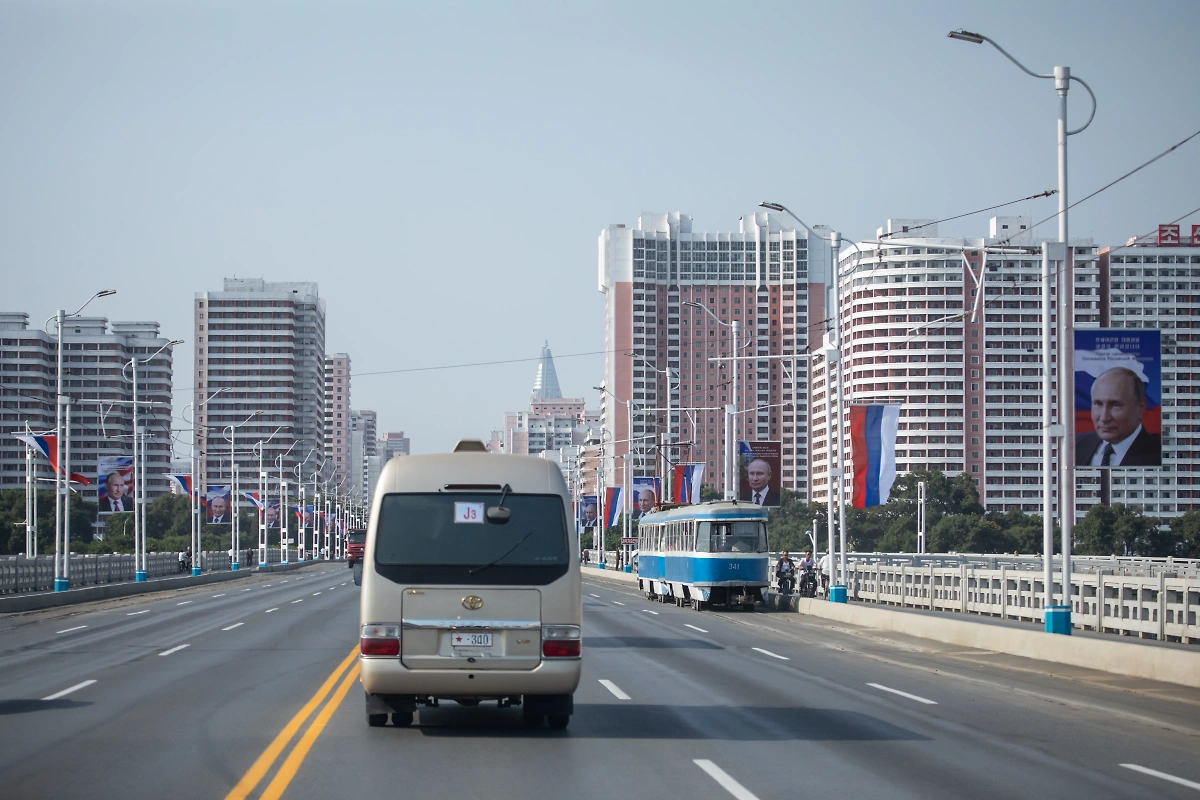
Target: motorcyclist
[[806, 567], [785, 572]]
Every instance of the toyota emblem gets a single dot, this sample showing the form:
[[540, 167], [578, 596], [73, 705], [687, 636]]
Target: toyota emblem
[[472, 603]]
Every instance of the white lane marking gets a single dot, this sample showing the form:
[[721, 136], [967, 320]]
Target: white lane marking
[[174, 649], [184, 603], [283, 581], [331, 588], [269, 610], [265, 585], [222, 594], [314, 594], [301, 600], [616, 690], [66, 692], [883, 688], [76, 628], [648, 611], [1144, 771], [135, 613], [234, 625], [342, 584], [769, 653], [693, 627], [618, 603], [245, 590], [722, 777], [595, 596]]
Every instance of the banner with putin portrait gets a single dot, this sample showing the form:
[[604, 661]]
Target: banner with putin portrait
[[589, 511], [114, 483], [1118, 398], [645, 494], [218, 503], [759, 472]]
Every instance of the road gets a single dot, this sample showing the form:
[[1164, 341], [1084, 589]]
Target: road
[[251, 684]]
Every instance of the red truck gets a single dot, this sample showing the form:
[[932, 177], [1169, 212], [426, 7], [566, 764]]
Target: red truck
[[356, 544]]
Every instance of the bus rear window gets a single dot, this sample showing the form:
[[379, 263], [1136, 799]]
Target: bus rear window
[[452, 529]]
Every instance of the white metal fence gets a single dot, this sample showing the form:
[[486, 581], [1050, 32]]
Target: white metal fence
[[21, 574], [1148, 603]]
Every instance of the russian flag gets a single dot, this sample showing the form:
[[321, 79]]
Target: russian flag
[[685, 485], [614, 504], [873, 448], [254, 500], [48, 447], [180, 484]]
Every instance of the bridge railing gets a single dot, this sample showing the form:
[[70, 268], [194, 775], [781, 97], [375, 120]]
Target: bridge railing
[[21, 574], [1162, 605]]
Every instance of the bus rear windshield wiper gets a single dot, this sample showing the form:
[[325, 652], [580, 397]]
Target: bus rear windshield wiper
[[507, 553]]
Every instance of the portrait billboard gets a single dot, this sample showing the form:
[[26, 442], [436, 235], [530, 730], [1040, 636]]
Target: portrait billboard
[[218, 505], [759, 472], [114, 483], [1118, 398], [645, 496], [271, 514], [589, 511]]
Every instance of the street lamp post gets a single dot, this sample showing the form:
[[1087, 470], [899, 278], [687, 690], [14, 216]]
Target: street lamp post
[[626, 483], [139, 471], [1064, 430], [731, 409], [235, 531], [62, 550], [837, 590], [667, 471], [193, 506]]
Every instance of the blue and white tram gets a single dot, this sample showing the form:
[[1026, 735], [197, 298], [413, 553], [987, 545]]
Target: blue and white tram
[[708, 554]]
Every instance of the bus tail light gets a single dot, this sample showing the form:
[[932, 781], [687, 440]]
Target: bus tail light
[[561, 641], [379, 640]]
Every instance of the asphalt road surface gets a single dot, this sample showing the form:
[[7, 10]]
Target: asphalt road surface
[[249, 689]]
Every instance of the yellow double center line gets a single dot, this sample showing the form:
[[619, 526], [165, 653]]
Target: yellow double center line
[[262, 765]]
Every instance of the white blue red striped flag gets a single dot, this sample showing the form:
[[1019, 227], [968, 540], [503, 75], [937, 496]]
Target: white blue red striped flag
[[873, 448]]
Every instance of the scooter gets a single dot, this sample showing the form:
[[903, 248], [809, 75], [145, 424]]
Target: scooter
[[786, 581], [808, 583]]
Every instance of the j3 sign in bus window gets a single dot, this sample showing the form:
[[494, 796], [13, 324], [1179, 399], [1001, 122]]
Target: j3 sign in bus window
[[468, 513]]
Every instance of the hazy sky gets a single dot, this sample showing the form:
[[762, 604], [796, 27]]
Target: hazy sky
[[443, 169]]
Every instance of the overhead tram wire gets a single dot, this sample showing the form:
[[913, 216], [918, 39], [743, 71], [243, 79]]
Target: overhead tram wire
[[911, 228], [1016, 284], [1106, 186]]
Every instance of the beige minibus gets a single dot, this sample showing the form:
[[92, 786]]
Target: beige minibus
[[470, 587]]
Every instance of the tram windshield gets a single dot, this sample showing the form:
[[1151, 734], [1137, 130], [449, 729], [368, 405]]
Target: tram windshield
[[739, 536]]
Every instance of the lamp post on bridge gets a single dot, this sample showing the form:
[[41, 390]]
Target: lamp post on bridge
[[1057, 620]]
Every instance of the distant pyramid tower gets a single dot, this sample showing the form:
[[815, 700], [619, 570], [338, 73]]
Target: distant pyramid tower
[[545, 383]]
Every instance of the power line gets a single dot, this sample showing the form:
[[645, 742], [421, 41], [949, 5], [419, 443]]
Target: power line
[[911, 228], [1108, 185]]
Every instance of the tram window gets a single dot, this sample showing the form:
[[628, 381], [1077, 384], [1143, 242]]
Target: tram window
[[748, 536]]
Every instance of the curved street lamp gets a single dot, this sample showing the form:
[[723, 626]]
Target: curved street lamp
[[1065, 429]]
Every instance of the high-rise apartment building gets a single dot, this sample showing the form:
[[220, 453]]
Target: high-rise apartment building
[[95, 361], [363, 453], [1154, 282], [952, 332], [337, 417], [393, 444], [263, 344], [769, 275]]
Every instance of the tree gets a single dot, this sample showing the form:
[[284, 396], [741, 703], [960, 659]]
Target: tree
[[1119, 530], [787, 524], [1186, 533], [12, 518]]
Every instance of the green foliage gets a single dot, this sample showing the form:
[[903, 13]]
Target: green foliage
[[1123, 530], [787, 525], [1186, 532], [12, 518]]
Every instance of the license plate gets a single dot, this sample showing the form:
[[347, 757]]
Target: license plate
[[471, 639]]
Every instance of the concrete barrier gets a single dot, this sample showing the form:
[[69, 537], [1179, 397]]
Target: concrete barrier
[[1166, 664], [12, 604]]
